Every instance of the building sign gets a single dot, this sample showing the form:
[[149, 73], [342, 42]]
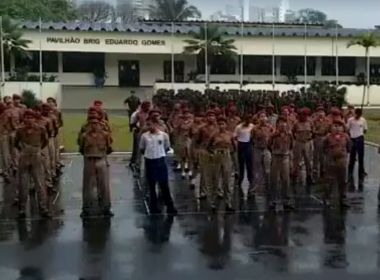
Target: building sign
[[107, 41]]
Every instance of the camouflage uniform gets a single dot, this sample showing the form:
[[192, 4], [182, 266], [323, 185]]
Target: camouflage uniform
[[30, 139], [320, 130], [95, 144], [5, 156], [281, 144], [336, 148]]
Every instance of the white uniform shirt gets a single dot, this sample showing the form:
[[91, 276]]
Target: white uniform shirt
[[154, 145], [242, 133], [357, 127]]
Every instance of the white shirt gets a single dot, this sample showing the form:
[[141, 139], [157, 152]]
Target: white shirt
[[133, 120], [357, 127], [242, 133], [154, 145]]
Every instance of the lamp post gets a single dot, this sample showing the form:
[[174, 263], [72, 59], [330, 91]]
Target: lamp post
[[2, 93]]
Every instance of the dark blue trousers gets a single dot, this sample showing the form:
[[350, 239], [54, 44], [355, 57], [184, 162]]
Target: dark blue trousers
[[156, 172], [357, 149], [245, 158]]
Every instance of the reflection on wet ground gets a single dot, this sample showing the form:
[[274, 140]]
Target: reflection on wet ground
[[311, 242]]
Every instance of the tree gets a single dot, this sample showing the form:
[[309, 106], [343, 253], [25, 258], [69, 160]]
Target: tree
[[125, 12], [311, 16], [367, 41], [173, 10], [332, 23], [12, 37], [96, 11], [47, 10], [216, 46]]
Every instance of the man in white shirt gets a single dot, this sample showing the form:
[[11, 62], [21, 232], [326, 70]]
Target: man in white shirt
[[154, 144], [243, 135], [357, 127]]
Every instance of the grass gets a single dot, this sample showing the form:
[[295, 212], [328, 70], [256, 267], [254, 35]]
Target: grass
[[120, 131], [373, 119], [123, 138]]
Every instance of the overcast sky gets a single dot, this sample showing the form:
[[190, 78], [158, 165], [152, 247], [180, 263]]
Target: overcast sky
[[349, 13]]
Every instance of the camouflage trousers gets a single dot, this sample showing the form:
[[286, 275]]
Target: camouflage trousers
[[15, 156], [5, 156], [31, 171], [336, 175], [261, 168], [221, 177], [52, 157], [47, 168], [96, 174], [318, 157], [280, 178], [208, 178], [303, 152]]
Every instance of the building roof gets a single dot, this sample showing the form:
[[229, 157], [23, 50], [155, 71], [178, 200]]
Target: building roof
[[230, 28]]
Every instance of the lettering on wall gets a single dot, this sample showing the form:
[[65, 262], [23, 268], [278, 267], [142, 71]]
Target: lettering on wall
[[107, 41]]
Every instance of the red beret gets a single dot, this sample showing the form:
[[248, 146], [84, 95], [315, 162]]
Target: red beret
[[222, 119], [335, 111], [304, 111], [320, 108], [16, 96], [98, 102], [338, 122], [154, 111]]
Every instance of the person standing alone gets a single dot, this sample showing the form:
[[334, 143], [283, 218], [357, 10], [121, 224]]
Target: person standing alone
[[357, 127], [154, 145]]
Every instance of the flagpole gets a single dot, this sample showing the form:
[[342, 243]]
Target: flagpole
[[206, 56], [172, 57], [305, 60], [241, 56], [40, 46], [336, 56], [2, 57], [273, 60]]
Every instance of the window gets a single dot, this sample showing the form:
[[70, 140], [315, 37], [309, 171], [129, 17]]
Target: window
[[347, 66], [221, 65], [50, 62], [294, 65], [7, 63], [179, 69], [75, 62], [257, 65], [32, 62], [375, 70]]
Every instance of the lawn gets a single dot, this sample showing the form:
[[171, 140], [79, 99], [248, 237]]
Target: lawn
[[123, 138], [373, 118], [120, 131]]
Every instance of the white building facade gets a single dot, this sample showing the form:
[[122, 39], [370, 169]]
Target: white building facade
[[140, 55]]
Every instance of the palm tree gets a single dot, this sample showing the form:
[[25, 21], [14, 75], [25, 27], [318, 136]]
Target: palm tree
[[367, 41], [210, 41], [173, 10], [13, 43]]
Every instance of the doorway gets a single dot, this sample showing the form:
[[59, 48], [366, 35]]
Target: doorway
[[129, 73]]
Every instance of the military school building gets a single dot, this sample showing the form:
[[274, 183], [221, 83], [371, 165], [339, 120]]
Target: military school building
[[79, 55]]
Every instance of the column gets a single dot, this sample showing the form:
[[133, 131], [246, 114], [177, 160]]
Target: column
[[318, 68]]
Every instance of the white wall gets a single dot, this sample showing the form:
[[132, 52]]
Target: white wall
[[47, 90], [354, 93]]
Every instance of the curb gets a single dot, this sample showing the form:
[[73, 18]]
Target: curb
[[372, 144]]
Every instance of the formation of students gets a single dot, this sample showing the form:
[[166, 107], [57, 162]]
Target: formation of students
[[30, 151], [271, 149]]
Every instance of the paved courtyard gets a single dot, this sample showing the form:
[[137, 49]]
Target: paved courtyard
[[252, 244]]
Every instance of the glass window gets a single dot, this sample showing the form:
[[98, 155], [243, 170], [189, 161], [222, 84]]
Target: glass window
[[375, 70], [32, 62], [257, 65], [294, 65], [221, 65], [347, 66], [76, 62], [179, 70], [7, 62], [50, 62]]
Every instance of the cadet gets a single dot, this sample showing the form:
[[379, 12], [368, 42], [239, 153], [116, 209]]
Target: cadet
[[336, 147], [95, 144], [281, 144], [221, 146], [261, 155], [30, 139], [320, 130], [182, 136], [303, 146]]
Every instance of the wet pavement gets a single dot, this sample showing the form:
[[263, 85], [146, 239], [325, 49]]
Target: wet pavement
[[254, 243]]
